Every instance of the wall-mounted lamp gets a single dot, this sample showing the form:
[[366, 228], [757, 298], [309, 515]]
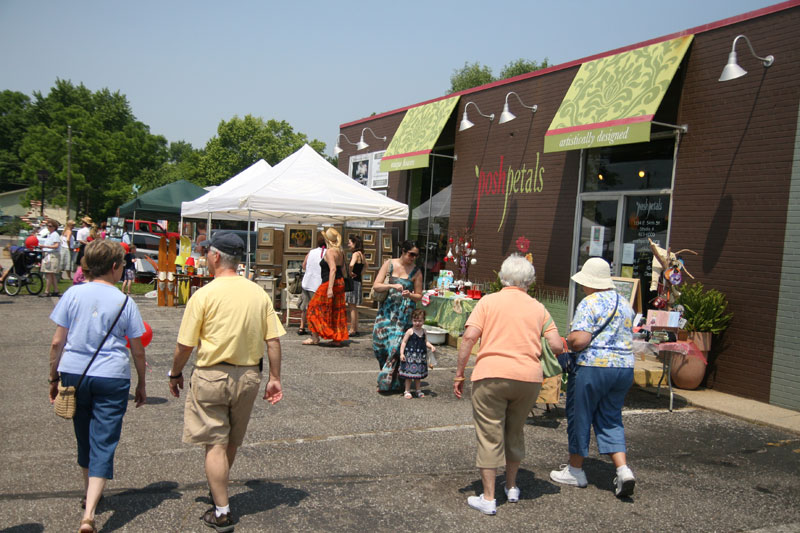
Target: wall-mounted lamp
[[508, 116], [337, 149], [361, 144], [732, 70], [465, 123]]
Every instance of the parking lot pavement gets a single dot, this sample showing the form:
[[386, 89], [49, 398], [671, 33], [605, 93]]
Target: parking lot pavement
[[336, 456]]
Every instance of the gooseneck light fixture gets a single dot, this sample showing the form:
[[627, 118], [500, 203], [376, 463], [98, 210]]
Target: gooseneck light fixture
[[361, 144], [465, 122], [338, 149], [732, 70], [508, 116]]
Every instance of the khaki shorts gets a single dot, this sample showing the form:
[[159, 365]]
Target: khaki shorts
[[218, 404], [50, 263], [500, 408]]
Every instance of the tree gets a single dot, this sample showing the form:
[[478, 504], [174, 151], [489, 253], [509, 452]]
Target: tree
[[475, 74], [521, 66], [240, 142], [110, 148], [470, 75], [14, 121]]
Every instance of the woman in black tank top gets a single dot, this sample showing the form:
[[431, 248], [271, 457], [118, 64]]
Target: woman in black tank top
[[353, 298]]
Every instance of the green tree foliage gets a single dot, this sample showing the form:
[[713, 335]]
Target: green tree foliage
[[470, 75], [14, 120], [240, 142], [521, 66], [474, 74], [110, 148]]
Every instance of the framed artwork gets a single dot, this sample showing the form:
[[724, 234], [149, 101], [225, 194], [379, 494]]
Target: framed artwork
[[367, 277], [377, 178], [628, 288], [387, 243], [370, 257], [265, 256], [266, 236], [359, 168], [368, 236], [293, 262], [300, 238], [365, 295]]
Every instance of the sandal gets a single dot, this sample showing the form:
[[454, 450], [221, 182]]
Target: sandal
[[302, 331], [87, 522], [407, 395], [353, 334], [420, 394], [310, 342]]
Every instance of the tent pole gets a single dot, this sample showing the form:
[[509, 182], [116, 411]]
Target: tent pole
[[247, 262], [428, 228]]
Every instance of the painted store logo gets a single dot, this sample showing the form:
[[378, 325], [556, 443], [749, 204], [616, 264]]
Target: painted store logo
[[508, 182]]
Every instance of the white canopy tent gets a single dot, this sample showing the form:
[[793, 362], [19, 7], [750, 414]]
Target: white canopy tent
[[305, 188], [199, 207]]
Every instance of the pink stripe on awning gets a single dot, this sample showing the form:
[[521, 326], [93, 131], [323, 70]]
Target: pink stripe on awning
[[409, 154], [618, 122]]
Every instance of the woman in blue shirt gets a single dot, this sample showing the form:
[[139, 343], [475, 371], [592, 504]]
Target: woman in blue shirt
[[83, 316], [602, 338]]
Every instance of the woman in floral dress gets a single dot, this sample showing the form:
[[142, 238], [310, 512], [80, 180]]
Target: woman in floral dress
[[403, 281]]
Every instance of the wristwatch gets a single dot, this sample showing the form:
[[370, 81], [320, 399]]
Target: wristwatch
[[178, 375]]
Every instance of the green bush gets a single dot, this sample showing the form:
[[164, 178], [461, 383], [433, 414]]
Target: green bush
[[14, 227], [704, 310]]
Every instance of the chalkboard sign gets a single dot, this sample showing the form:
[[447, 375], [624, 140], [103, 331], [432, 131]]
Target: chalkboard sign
[[628, 288]]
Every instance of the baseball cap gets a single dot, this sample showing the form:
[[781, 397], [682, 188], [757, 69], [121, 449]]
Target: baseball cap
[[226, 242]]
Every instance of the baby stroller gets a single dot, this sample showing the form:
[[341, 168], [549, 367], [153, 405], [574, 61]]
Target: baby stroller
[[21, 273]]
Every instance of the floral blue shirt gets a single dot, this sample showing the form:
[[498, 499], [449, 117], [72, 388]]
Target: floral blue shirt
[[613, 346]]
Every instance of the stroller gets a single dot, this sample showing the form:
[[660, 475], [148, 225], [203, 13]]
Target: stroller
[[21, 273]]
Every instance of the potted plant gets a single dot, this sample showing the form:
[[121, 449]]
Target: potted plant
[[705, 312]]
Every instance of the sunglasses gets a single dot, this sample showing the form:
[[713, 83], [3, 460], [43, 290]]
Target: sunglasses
[[413, 254]]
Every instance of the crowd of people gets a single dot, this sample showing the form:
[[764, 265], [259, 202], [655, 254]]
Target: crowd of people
[[231, 319]]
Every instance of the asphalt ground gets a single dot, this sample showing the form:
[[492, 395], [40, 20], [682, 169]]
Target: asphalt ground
[[336, 456]]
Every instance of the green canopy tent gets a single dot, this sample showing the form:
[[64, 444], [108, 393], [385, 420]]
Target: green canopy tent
[[163, 202]]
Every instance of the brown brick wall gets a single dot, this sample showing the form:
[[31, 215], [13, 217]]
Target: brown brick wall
[[731, 190]]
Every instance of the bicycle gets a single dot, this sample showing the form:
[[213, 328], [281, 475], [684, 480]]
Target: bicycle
[[21, 273]]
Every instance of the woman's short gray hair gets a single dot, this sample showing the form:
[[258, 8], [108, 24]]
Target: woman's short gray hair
[[227, 260], [516, 271]]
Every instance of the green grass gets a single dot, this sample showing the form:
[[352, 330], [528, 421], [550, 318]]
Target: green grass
[[136, 288]]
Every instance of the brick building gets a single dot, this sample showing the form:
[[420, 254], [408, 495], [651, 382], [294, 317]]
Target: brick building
[[638, 142]]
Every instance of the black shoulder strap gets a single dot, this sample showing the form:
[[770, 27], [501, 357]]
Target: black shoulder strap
[[614, 312], [125, 303]]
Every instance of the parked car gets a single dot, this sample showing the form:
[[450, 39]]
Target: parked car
[[146, 244], [148, 226]]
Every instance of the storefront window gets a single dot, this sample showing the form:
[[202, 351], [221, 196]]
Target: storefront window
[[429, 213], [631, 167]]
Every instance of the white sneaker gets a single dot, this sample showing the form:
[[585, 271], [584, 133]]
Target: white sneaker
[[624, 483], [568, 477], [512, 494], [484, 506]]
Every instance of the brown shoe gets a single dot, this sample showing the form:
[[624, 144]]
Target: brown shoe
[[222, 523]]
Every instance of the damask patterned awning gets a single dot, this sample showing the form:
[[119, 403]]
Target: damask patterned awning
[[612, 100], [415, 138]]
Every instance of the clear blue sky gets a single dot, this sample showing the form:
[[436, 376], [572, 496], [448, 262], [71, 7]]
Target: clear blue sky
[[187, 65]]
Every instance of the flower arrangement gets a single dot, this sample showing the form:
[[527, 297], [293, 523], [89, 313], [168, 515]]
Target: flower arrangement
[[461, 252]]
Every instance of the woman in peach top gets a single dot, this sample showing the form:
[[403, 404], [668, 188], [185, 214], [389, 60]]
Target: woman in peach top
[[507, 375]]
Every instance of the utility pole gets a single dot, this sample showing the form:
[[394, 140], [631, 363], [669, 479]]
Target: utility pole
[[69, 166]]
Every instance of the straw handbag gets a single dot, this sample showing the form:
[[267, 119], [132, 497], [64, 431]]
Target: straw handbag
[[65, 403]]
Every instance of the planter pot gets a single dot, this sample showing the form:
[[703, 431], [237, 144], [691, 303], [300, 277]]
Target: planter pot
[[688, 370], [701, 339], [435, 335]]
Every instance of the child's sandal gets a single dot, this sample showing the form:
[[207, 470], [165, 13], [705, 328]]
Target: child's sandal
[[420, 394], [407, 395]]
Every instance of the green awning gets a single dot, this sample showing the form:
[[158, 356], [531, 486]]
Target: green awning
[[613, 100], [417, 135]]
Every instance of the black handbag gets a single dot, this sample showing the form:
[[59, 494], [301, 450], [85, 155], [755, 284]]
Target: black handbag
[[348, 281]]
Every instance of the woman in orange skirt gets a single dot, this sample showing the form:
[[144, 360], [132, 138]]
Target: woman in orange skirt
[[327, 311]]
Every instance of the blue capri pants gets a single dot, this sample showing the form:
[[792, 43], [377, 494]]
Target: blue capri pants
[[101, 404], [595, 396]]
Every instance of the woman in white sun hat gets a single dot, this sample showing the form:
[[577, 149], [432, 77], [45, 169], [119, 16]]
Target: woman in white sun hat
[[601, 339]]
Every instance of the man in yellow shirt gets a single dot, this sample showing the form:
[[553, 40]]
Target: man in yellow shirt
[[228, 320]]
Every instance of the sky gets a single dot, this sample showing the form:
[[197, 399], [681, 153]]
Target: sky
[[185, 66]]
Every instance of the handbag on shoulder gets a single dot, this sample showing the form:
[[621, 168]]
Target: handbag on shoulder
[[66, 401], [550, 365], [377, 296]]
